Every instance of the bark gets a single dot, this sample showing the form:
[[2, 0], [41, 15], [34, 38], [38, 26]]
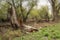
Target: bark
[[25, 18], [54, 9], [12, 16], [14, 20]]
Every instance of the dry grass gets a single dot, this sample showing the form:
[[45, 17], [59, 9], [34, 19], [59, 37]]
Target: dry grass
[[9, 35]]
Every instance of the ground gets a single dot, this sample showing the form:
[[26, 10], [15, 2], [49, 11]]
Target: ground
[[51, 32], [47, 31]]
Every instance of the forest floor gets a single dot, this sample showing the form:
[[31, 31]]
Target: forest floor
[[47, 31], [41, 24]]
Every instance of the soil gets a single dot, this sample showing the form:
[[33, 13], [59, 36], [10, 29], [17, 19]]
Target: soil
[[40, 25]]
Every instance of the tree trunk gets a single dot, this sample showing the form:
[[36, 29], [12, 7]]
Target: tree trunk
[[13, 18], [55, 14], [54, 9]]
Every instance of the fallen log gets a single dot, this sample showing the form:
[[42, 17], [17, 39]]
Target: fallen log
[[29, 29]]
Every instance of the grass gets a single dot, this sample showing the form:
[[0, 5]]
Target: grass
[[47, 33], [51, 32]]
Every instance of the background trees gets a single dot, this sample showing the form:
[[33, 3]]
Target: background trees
[[20, 11], [19, 4], [25, 8], [55, 8]]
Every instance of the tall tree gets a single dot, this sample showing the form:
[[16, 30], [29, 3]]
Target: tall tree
[[13, 16], [55, 8], [31, 4]]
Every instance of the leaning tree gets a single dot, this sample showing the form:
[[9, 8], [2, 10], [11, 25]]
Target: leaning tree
[[15, 21]]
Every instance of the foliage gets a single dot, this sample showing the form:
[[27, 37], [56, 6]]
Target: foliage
[[51, 32], [43, 12], [21, 9], [33, 13], [3, 10]]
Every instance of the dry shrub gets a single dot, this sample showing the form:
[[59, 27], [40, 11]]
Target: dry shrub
[[9, 35]]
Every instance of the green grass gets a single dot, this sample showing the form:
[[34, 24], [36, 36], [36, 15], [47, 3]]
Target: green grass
[[51, 32], [47, 33]]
